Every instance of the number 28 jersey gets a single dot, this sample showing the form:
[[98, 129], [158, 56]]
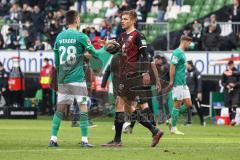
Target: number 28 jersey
[[69, 49]]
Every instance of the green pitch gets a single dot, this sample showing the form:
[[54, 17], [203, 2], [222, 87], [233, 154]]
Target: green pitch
[[28, 139]]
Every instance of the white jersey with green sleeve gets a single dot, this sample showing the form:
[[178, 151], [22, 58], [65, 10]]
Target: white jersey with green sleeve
[[179, 59], [69, 49]]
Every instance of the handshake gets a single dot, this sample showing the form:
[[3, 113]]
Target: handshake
[[112, 47]]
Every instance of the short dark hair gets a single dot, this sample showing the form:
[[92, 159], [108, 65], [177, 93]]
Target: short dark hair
[[230, 62], [159, 56], [46, 59], [71, 16], [190, 62], [132, 14], [186, 38]]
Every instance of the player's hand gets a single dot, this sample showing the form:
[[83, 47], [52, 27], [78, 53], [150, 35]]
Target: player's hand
[[87, 55], [158, 86], [170, 85], [3, 89], [232, 85], [199, 96], [146, 78]]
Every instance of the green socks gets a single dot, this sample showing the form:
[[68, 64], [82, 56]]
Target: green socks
[[56, 123], [174, 116], [84, 123], [183, 109], [176, 113]]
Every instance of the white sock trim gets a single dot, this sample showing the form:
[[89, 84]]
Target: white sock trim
[[53, 138], [85, 139]]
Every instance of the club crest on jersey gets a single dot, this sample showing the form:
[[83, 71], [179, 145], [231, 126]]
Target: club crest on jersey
[[174, 59], [130, 38]]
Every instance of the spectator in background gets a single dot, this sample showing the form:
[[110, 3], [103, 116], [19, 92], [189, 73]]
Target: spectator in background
[[179, 3], [231, 87], [194, 82], [52, 5], [37, 20], [80, 4], [141, 11], [27, 41], [60, 19], [30, 34], [149, 4], [197, 34], [213, 22], [162, 7], [163, 71], [53, 31], [206, 24], [105, 29], [96, 41], [234, 11], [132, 4], [26, 13], [4, 84], [48, 19], [231, 42], [111, 12], [211, 40], [1, 41], [65, 4], [14, 14], [11, 41], [124, 6], [92, 33], [45, 81], [4, 8], [234, 15], [116, 28], [38, 46]]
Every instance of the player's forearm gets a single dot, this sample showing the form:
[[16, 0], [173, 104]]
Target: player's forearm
[[172, 72], [145, 60], [105, 77], [96, 52], [56, 60], [156, 75]]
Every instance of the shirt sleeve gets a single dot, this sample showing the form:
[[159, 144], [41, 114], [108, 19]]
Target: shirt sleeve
[[141, 41], [89, 47], [175, 58]]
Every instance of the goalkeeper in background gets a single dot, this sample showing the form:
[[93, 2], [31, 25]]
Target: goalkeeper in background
[[69, 49]]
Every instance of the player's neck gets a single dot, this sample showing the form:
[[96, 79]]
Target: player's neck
[[181, 47], [131, 29], [72, 27]]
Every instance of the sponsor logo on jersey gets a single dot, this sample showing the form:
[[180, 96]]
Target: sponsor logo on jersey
[[144, 42]]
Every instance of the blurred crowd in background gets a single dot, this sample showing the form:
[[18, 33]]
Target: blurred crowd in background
[[34, 24]]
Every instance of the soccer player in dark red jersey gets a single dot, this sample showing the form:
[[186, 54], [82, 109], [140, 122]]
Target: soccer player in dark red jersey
[[134, 79]]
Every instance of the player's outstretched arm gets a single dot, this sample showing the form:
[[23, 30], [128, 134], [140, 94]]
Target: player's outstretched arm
[[56, 56], [156, 75], [89, 47], [172, 74]]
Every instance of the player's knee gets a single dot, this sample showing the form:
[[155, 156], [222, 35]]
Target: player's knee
[[83, 107]]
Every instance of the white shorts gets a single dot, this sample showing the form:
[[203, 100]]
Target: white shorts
[[180, 93], [67, 93]]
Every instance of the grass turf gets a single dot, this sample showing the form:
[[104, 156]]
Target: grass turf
[[28, 139]]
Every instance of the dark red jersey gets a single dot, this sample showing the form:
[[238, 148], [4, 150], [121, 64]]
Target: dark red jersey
[[131, 44]]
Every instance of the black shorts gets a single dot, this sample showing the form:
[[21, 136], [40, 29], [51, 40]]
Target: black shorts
[[131, 87], [231, 99]]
